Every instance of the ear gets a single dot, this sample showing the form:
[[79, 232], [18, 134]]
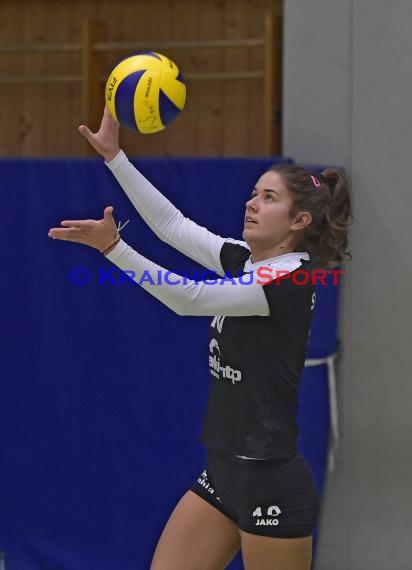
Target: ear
[[302, 220]]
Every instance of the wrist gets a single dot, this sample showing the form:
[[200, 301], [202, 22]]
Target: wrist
[[111, 155], [111, 245]]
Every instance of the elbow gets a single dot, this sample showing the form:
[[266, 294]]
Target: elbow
[[183, 309]]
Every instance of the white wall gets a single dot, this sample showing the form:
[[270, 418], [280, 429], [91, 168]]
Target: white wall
[[347, 101]]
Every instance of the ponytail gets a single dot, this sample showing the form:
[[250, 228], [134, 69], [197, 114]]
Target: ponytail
[[331, 248], [326, 197]]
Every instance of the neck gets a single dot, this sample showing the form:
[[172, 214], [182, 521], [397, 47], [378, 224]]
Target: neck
[[268, 253]]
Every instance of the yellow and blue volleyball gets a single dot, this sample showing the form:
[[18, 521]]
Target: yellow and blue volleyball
[[145, 92]]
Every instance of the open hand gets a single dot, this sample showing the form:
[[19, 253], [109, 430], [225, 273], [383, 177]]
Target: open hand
[[106, 140], [95, 233]]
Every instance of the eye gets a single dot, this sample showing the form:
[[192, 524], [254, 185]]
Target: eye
[[269, 197]]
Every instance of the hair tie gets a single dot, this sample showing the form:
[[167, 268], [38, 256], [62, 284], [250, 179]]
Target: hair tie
[[315, 181]]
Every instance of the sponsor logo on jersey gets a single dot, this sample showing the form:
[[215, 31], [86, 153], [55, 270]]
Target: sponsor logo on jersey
[[217, 370], [218, 322]]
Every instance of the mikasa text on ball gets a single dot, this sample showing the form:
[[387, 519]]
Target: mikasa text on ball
[[145, 92]]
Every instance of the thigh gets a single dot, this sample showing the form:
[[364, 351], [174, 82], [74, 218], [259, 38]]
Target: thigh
[[197, 536], [267, 553]]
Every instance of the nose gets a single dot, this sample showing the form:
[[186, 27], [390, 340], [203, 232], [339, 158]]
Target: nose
[[252, 204]]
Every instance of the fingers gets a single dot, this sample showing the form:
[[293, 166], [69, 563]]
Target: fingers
[[77, 223], [95, 233], [108, 219], [108, 117], [84, 224], [71, 229], [67, 234], [108, 213], [86, 132]]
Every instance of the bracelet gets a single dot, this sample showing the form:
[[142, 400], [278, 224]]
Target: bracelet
[[110, 246]]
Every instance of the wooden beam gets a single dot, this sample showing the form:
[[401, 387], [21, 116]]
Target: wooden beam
[[40, 79], [272, 88], [39, 48], [192, 44]]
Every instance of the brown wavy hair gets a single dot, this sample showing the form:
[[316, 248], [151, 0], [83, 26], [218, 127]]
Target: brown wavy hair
[[326, 237]]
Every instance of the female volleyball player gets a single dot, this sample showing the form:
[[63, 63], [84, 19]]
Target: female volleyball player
[[256, 493]]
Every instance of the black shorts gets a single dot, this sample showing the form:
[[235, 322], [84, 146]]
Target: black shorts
[[271, 497]]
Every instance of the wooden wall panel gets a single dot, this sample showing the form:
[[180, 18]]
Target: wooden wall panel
[[183, 25], [236, 91], [208, 93], [57, 97], [255, 95], [221, 118], [80, 13], [12, 121], [34, 26], [156, 26]]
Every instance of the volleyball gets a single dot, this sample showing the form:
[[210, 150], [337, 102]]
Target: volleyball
[[145, 92]]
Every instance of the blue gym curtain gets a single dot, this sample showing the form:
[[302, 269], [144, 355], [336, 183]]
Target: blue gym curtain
[[102, 388]]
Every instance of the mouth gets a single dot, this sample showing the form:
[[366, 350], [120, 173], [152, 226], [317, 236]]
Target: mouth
[[249, 220]]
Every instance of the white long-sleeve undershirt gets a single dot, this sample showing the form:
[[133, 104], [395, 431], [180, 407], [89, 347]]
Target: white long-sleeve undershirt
[[166, 221], [187, 297]]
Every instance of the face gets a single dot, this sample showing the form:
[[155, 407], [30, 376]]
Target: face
[[267, 221]]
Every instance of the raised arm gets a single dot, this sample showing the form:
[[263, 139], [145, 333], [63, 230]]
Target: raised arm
[[183, 296], [168, 223], [231, 297]]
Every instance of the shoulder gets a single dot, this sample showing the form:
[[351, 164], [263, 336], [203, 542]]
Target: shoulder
[[289, 287], [233, 255]]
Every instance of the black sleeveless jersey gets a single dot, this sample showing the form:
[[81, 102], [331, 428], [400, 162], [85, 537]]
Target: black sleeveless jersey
[[255, 364]]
